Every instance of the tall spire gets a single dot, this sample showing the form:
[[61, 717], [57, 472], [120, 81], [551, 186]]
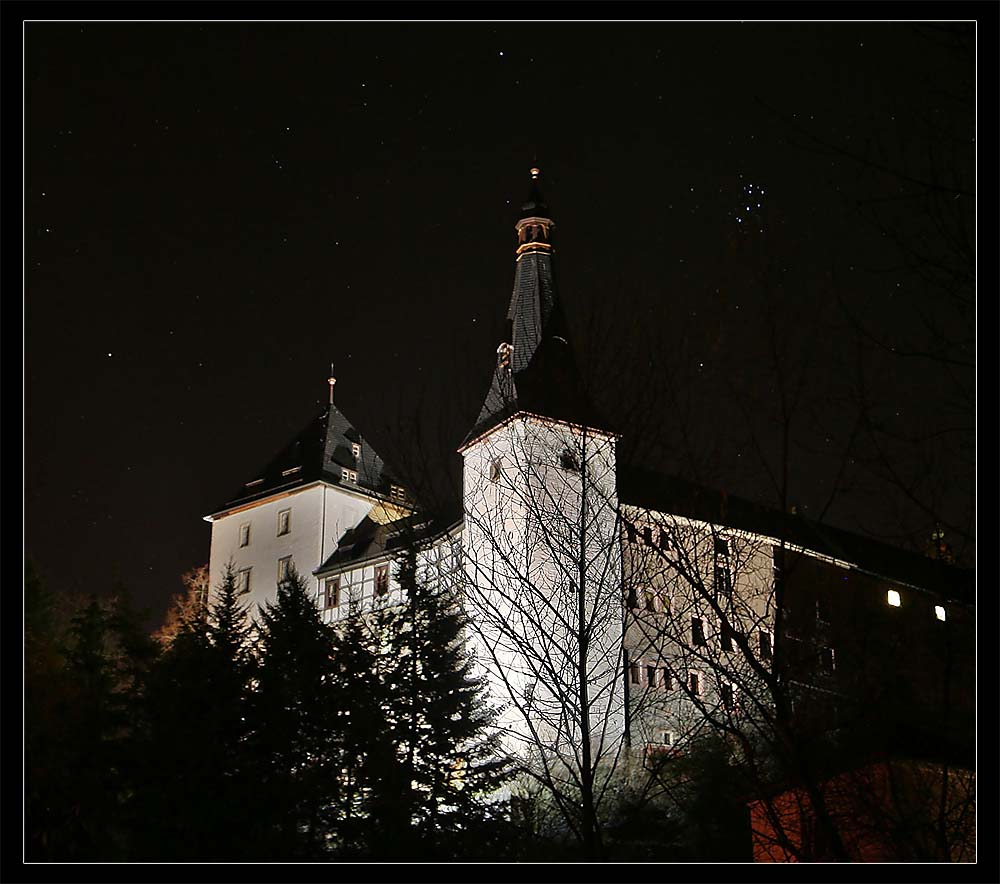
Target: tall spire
[[535, 369]]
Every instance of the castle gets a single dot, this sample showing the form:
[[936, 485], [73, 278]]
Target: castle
[[613, 608]]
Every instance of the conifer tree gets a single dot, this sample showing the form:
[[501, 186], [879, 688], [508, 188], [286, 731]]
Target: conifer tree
[[197, 798], [435, 801], [293, 717]]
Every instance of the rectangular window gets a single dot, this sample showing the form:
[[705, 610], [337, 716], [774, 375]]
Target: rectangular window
[[766, 641], [291, 471], [331, 595], [633, 598], [243, 581], [728, 697], [634, 673], [647, 535], [345, 474], [496, 471], [694, 683], [381, 579], [664, 599], [721, 546], [666, 679], [664, 539], [939, 612], [284, 566], [356, 450], [822, 608], [352, 475], [892, 597], [723, 582], [245, 534], [650, 601], [827, 660], [651, 676], [697, 631], [725, 637], [284, 522], [630, 532], [398, 492]]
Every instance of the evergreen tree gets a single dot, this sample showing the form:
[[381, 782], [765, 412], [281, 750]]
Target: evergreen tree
[[434, 801], [197, 798], [294, 717]]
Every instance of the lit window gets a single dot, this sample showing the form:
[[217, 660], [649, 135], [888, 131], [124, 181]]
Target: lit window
[[892, 597], [939, 612], [345, 474], [284, 566], [284, 522], [331, 596], [352, 475], [697, 631], [398, 491], [634, 673], [245, 534], [243, 581], [289, 472], [694, 683], [356, 450], [381, 579]]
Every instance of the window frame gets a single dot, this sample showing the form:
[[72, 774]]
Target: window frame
[[244, 535], [381, 581], [327, 606], [284, 565], [284, 522]]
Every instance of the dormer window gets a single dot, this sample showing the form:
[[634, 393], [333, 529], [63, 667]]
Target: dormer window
[[356, 450], [348, 475], [291, 471], [398, 491]]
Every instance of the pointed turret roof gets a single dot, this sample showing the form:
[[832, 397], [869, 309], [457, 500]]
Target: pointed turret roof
[[536, 372], [323, 450]]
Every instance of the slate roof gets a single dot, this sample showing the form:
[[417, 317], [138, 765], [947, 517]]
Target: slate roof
[[320, 451], [541, 376], [372, 540], [667, 494]]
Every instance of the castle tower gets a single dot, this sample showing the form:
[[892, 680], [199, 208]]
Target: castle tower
[[543, 559], [294, 510]]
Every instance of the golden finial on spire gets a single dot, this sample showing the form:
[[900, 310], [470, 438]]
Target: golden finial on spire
[[331, 381]]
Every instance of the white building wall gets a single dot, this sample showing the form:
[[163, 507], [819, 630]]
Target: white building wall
[[523, 549], [318, 516]]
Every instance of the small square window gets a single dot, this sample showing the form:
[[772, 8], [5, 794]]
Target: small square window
[[697, 631], [243, 581], [939, 612], [284, 567], [381, 579], [892, 597], [331, 595], [245, 535], [284, 522], [694, 683]]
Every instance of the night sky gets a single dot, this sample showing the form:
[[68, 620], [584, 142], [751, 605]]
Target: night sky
[[216, 211]]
